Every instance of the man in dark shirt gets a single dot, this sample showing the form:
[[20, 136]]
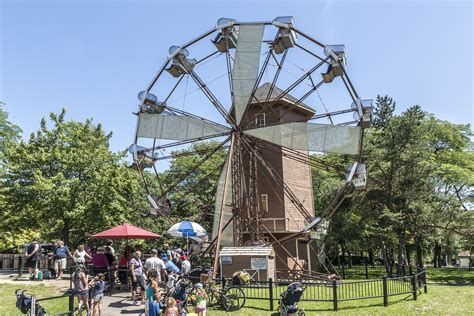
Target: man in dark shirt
[[33, 257]]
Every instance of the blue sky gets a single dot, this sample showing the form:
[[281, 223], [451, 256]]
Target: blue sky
[[92, 57]]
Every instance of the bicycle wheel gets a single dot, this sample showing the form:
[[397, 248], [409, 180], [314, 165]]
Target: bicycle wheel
[[233, 298], [212, 296]]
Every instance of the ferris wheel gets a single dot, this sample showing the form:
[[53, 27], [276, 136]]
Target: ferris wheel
[[271, 95]]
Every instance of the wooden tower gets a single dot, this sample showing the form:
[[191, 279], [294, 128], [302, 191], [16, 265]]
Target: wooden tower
[[277, 212]]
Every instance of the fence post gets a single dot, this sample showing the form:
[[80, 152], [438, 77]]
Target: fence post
[[270, 290], [71, 293], [385, 291], [20, 266], [425, 287], [366, 272], [414, 282], [334, 294], [223, 282], [71, 302]]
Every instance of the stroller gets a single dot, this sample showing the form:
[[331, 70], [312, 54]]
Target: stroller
[[290, 298], [27, 304], [177, 290]]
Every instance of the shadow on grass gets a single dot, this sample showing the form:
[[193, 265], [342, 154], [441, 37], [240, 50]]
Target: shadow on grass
[[450, 276], [342, 306]]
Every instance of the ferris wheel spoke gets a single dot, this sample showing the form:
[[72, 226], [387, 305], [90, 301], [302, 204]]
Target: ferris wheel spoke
[[300, 100], [310, 52], [212, 98], [195, 167], [290, 88], [188, 141]]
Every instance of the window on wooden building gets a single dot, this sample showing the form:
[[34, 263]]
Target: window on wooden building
[[261, 120]]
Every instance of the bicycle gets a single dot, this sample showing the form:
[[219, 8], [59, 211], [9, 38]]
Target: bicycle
[[231, 298]]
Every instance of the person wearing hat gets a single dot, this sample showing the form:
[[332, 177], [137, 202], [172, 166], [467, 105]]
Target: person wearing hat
[[201, 300], [157, 264], [185, 265], [138, 279]]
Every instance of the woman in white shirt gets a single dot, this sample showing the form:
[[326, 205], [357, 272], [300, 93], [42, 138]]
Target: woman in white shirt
[[80, 255]]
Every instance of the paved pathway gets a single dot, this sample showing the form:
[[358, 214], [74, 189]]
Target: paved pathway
[[117, 304]]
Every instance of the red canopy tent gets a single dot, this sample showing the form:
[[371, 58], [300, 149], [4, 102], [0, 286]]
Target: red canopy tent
[[125, 231]]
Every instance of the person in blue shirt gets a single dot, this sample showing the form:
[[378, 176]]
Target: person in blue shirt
[[61, 252], [98, 295], [170, 266]]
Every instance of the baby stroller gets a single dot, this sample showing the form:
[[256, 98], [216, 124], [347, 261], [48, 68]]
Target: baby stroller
[[27, 304], [178, 292], [290, 298]]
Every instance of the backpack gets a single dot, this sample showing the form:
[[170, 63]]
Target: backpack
[[47, 275]]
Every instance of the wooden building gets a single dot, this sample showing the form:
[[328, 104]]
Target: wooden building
[[278, 213]]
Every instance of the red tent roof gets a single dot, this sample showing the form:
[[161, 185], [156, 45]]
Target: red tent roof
[[125, 231]]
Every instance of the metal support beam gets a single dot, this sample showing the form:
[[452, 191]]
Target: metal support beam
[[224, 198]]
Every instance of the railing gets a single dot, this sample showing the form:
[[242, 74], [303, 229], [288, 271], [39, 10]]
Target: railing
[[282, 224], [340, 291], [367, 271]]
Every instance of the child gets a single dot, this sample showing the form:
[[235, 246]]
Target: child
[[201, 298], [153, 294], [98, 294], [171, 309]]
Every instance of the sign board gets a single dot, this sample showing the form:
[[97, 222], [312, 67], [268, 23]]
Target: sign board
[[226, 260], [258, 263]]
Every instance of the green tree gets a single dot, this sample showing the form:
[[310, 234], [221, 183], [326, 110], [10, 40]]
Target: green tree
[[65, 182], [8, 130]]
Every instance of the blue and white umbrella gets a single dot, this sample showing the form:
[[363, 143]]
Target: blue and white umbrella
[[187, 229]]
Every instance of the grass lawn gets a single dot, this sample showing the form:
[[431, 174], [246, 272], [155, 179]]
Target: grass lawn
[[8, 299], [453, 294]]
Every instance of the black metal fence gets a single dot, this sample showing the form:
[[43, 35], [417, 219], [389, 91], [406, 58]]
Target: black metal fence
[[340, 291], [367, 271]]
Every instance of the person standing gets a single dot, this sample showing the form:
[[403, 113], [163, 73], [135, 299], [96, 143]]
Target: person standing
[[153, 293], [155, 263], [171, 309], [33, 257], [80, 255], [138, 280], [100, 264], [201, 300], [109, 252], [81, 289], [61, 252], [98, 294], [185, 265]]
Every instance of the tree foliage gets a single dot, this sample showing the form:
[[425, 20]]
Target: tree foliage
[[65, 182], [420, 183]]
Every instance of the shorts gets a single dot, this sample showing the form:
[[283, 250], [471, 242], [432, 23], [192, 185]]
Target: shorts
[[199, 308], [30, 263], [82, 294], [97, 298], [139, 282], [60, 263]]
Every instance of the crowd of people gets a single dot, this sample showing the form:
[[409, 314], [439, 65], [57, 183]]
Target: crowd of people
[[146, 279]]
